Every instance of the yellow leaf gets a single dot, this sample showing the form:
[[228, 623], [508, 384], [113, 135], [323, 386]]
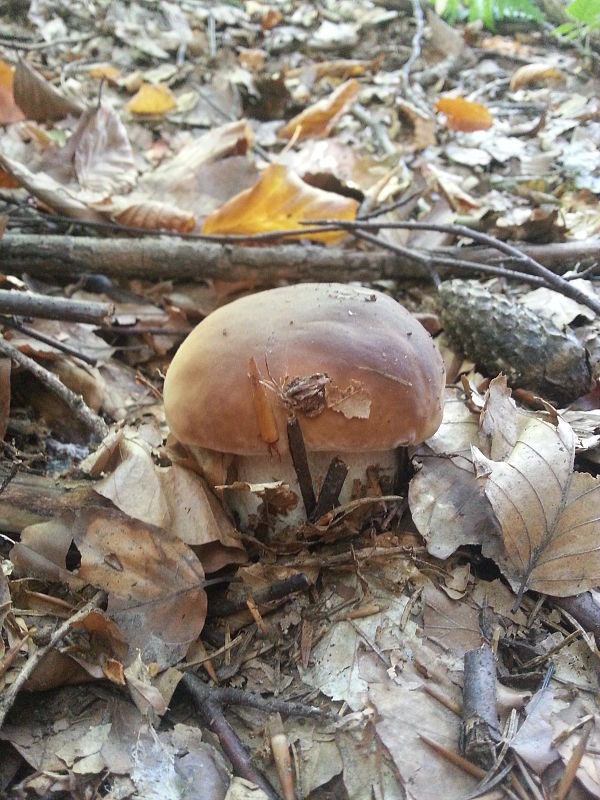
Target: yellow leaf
[[530, 73], [463, 115], [151, 99], [105, 72], [320, 118], [280, 200]]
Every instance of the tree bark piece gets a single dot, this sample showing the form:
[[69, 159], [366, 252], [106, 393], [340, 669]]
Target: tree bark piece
[[181, 259]]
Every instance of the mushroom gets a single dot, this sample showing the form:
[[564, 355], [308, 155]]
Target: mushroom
[[356, 372]]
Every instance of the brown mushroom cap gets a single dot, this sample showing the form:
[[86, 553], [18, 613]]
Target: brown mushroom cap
[[384, 374]]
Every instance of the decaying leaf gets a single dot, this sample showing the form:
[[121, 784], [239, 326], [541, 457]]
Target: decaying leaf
[[319, 119], [463, 115], [280, 201]]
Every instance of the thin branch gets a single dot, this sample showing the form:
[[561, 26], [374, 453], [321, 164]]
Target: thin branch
[[9, 697], [14, 324], [27, 304], [75, 402]]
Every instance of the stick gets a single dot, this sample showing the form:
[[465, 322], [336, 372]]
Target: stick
[[28, 304], [212, 714], [7, 701], [300, 462], [193, 259], [75, 402]]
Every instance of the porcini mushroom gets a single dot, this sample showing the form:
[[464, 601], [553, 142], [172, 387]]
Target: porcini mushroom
[[360, 375]]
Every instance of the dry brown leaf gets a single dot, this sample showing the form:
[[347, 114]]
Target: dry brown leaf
[[447, 505], [454, 625], [52, 193], [152, 100], [421, 124], [463, 115], [38, 99], [280, 201], [105, 72], [319, 119], [102, 154], [531, 73], [172, 498], [154, 581], [136, 211], [9, 110], [547, 513]]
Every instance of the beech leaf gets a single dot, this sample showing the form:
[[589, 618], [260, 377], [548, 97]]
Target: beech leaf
[[547, 513]]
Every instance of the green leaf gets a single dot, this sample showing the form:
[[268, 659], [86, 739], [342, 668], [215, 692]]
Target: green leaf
[[586, 11]]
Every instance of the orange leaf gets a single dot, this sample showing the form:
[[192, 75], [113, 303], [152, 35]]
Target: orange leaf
[[320, 118], [105, 72], [280, 201], [464, 115], [152, 99], [6, 179], [9, 110]]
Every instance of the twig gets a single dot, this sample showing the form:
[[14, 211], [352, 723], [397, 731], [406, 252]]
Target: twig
[[363, 116], [555, 281], [230, 696], [481, 727], [75, 402], [300, 462], [573, 763], [14, 324], [276, 591], [332, 486], [27, 304], [414, 53], [212, 714], [9, 697]]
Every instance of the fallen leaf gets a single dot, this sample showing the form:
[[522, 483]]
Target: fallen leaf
[[280, 201], [319, 119], [105, 72], [547, 513], [152, 100], [464, 115], [9, 110], [532, 73], [38, 99], [137, 211]]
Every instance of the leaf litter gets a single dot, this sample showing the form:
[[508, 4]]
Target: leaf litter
[[187, 135]]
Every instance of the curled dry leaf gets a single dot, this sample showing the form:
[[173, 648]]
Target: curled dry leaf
[[52, 193], [463, 115], [140, 212], [38, 99], [280, 201], [531, 73], [319, 119]]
